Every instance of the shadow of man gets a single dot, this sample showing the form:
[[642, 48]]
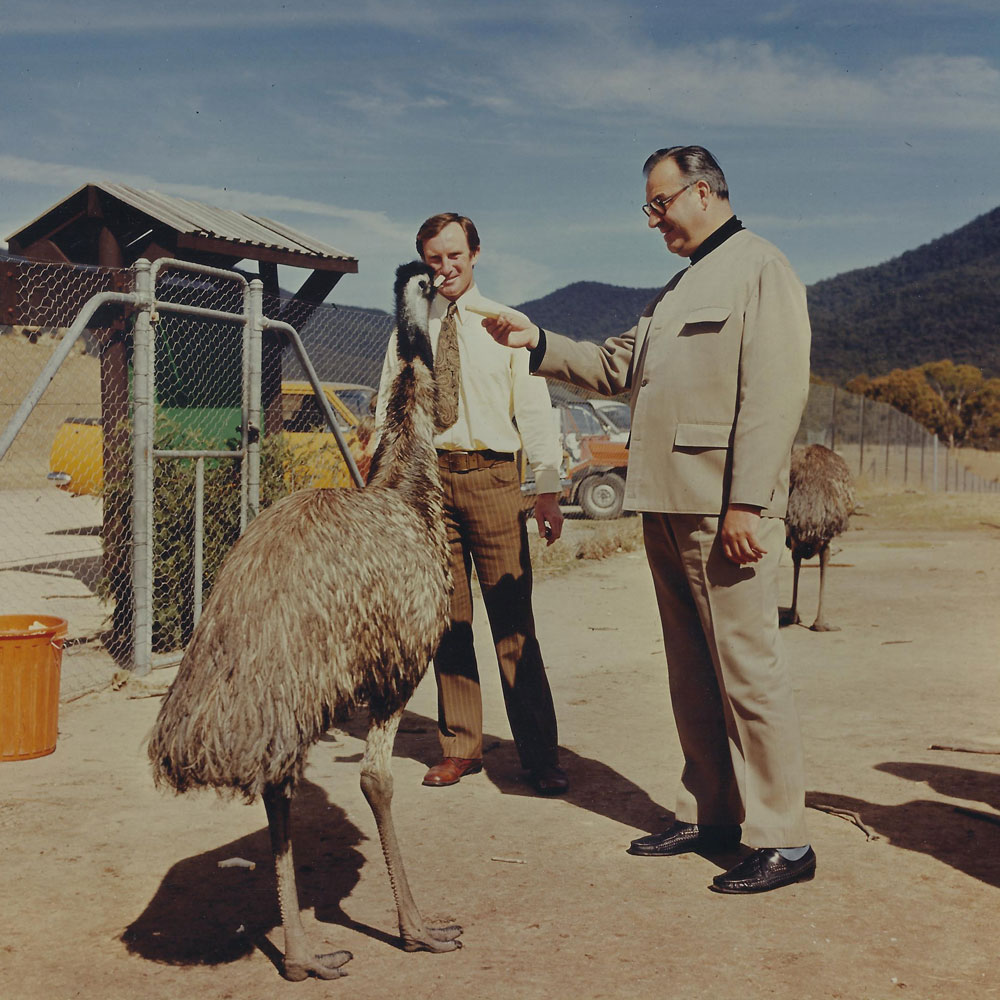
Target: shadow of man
[[593, 784], [965, 839], [206, 915]]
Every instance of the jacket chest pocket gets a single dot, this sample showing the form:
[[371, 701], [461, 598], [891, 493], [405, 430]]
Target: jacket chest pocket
[[700, 436], [704, 320]]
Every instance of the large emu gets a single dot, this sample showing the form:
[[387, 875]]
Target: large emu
[[331, 599], [821, 500]]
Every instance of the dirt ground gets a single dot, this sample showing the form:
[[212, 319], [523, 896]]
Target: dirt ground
[[113, 890]]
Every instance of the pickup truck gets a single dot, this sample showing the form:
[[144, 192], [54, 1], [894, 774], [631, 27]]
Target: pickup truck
[[313, 457], [596, 462]]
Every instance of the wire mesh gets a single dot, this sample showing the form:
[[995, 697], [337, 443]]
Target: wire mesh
[[52, 557]]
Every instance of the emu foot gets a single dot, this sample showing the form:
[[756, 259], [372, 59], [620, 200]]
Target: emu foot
[[818, 626], [788, 616], [433, 939], [321, 966]]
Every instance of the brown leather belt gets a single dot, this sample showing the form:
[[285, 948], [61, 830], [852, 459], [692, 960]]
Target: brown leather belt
[[464, 461]]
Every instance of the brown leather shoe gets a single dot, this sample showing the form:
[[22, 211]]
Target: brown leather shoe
[[451, 770], [550, 779]]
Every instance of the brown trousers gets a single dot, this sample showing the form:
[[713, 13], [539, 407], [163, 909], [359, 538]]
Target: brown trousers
[[486, 527], [732, 698]]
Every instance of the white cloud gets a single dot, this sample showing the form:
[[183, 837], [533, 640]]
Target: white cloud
[[733, 83]]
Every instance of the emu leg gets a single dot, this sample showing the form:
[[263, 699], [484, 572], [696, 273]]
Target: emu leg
[[791, 616], [299, 959], [376, 783], [820, 625]]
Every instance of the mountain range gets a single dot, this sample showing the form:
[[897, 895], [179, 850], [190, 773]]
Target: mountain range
[[941, 300]]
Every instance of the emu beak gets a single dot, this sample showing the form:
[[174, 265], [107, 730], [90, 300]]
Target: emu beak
[[439, 281]]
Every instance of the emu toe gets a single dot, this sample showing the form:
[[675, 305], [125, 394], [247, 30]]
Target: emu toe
[[322, 967], [818, 626], [434, 939]]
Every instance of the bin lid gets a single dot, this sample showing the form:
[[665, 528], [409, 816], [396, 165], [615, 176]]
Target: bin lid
[[27, 626]]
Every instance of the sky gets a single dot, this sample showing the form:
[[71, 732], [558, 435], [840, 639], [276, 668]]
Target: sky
[[849, 131]]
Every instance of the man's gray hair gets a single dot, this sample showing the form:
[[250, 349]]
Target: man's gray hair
[[695, 164]]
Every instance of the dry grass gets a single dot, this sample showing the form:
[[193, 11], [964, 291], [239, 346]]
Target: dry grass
[[917, 511], [583, 539], [74, 392], [912, 513]]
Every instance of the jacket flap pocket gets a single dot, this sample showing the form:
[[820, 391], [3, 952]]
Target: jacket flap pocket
[[708, 316], [702, 435]]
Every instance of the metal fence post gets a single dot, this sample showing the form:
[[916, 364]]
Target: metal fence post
[[833, 421], [888, 440], [142, 472], [906, 450], [255, 325], [861, 437]]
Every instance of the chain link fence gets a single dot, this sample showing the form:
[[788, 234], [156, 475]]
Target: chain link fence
[[67, 477], [886, 449]]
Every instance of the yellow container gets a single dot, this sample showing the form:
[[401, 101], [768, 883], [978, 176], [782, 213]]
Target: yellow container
[[30, 664]]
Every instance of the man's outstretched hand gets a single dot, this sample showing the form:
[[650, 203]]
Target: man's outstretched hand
[[512, 329]]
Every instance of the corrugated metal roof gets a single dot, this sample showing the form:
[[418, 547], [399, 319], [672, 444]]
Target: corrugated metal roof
[[198, 219]]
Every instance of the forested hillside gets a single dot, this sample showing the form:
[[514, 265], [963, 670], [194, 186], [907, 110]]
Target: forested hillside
[[941, 300]]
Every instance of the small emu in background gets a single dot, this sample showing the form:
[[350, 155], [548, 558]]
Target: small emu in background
[[330, 600], [821, 500]]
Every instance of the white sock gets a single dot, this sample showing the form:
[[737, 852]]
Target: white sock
[[793, 853]]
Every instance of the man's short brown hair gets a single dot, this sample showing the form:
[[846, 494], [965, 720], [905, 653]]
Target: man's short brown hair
[[436, 223]]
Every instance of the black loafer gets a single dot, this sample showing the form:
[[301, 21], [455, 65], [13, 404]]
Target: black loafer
[[549, 779], [763, 870], [679, 838]]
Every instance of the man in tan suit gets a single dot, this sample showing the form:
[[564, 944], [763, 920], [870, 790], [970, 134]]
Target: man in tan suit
[[718, 368], [476, 441]]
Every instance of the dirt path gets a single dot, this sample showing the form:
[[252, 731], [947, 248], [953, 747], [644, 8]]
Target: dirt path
[[552, 906]]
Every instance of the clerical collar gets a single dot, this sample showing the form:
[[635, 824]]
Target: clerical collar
[[729, 228]]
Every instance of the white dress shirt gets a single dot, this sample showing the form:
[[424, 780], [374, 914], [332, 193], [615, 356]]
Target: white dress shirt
[[501, 405]]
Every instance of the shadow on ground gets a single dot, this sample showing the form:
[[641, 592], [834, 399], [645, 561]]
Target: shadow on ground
[[963, 837], [593, 785], [206, 915]]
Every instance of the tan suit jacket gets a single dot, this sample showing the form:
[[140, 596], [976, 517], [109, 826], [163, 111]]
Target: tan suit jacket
[[718, 367]]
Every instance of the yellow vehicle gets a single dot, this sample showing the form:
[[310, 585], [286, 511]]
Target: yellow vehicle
[[76, 460], [312, 459]]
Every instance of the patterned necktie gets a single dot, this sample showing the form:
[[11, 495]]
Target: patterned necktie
[[447, 372]]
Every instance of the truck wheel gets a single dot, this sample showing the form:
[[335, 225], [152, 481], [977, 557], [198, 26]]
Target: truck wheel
[[602, 497]]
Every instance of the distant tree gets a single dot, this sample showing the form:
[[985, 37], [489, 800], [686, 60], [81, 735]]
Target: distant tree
[[953, 401]]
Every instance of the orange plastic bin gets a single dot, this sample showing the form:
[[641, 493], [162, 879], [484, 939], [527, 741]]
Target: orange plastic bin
[[30, 664]]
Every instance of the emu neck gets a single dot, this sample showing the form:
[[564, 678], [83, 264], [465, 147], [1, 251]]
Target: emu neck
[[405, 459]]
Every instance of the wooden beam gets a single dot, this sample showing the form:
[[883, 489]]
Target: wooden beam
[[248, 251], [45, 252], [318, 286], [109, 253], [52, 222], [268, 272]]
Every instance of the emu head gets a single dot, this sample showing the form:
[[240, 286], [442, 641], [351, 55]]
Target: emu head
[[414, 291]]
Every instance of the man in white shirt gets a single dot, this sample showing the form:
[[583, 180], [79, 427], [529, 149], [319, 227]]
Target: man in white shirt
[[502, 408]]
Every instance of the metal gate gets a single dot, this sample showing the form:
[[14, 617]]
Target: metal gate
[[194, 414]]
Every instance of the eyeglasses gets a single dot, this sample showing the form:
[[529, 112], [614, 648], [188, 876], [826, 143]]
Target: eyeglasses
[[658, 206]]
